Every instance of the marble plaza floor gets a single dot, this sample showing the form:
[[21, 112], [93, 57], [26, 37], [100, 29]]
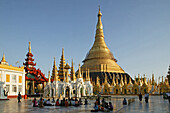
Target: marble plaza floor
[[156, 105]]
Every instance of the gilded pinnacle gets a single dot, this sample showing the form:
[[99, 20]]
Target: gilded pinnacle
[[29, 47], [3, 58]]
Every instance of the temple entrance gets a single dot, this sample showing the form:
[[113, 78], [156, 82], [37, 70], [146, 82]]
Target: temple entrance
[[29, 88], [116, 91], [135, 91], [125, 91], [67, 92]]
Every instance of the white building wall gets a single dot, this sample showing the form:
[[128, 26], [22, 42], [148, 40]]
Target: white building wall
[[11, 83]]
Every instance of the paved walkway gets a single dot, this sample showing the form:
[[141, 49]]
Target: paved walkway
[[156, 105]]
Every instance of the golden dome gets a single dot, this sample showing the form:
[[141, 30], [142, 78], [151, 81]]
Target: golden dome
[[100, 58]]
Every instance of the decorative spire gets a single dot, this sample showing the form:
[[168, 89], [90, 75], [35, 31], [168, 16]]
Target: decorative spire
[[99, 23], [139, 80], [135, 80], [54, 71], [29, 47], [153, 81], [86, 74], [3, 58], [97, 81], [130, 82], [66, 77], [73, 77], [113, 81], [121, 81], [67, 67], [145, 82], [125, 81], [117, 80], [79, 72], [61, 67], [105, 81]]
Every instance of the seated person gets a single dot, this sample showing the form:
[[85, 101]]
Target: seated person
[[57, 103], [41, 105], [97, 102], [66, 103], [76, 102], [102, 108], [106, 105], [48, 103], [95, 108], [69, 102], [86, 102], [80, 102], [124, 102], [72, 102], [110, 106], [63, 102], [35, 103]]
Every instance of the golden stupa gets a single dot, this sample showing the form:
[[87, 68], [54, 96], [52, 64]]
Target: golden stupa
[[99, 60]]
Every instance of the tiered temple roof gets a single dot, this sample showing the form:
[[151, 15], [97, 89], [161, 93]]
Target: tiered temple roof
[[31, 72]]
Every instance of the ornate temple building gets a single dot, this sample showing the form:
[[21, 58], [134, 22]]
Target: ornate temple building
[[12, 79], [35, 80], [63, 84], [100, 60], [140, 85]]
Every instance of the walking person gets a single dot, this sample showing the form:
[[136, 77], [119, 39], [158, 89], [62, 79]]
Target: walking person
[[19, 97], [146, 97], [140, 97]]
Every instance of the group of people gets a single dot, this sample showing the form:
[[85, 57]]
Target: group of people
[[64, 102], [146, 97], [104, 106]]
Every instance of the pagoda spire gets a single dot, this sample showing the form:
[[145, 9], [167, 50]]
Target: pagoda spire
[[117, 80], [153, 80], [145, 82], [49, 80], [61, 67], [99, 26], [113, 81], [135, 80], [88, 75], [97, 81], [105, 81], [73, 76], [3, 61], [121, 81], [54, 71], [79, 73], [130, 81], [125, 81], [67, 67], [29, 49], [3, 58]]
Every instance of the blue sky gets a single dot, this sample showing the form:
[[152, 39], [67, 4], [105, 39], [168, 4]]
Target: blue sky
[[136, 31]]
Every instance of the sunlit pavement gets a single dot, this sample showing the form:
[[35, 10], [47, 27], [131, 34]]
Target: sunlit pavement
[[156, 105]]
